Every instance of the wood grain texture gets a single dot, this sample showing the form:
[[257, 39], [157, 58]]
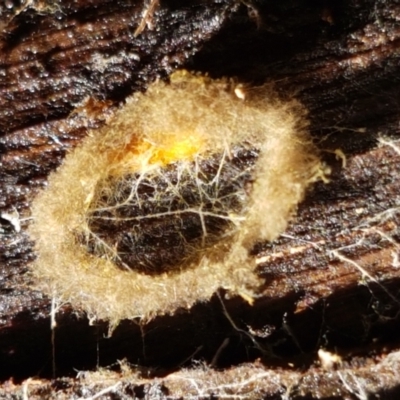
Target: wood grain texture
[[331, 280]]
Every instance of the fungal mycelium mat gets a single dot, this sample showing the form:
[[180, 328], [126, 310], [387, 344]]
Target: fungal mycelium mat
[[161, 207]]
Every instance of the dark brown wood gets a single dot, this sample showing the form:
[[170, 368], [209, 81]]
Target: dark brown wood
[[331, 280]]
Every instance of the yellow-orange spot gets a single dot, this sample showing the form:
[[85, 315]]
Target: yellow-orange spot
[[182, 149], [139, 153]]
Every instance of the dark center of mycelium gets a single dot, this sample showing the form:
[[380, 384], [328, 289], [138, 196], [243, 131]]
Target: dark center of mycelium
[[164, 220]]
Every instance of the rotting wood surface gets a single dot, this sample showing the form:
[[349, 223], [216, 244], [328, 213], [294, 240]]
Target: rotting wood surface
[[331, 280]]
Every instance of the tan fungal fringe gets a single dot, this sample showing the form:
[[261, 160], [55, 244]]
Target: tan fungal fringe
[[181, 124]]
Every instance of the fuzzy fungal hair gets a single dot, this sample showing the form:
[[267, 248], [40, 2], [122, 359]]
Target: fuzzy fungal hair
[[163, 206]]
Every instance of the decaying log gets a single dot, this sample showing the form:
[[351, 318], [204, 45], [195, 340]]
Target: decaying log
[[328, 321]]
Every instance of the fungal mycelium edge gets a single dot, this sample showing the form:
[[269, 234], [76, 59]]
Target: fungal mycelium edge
[[161, 207]]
